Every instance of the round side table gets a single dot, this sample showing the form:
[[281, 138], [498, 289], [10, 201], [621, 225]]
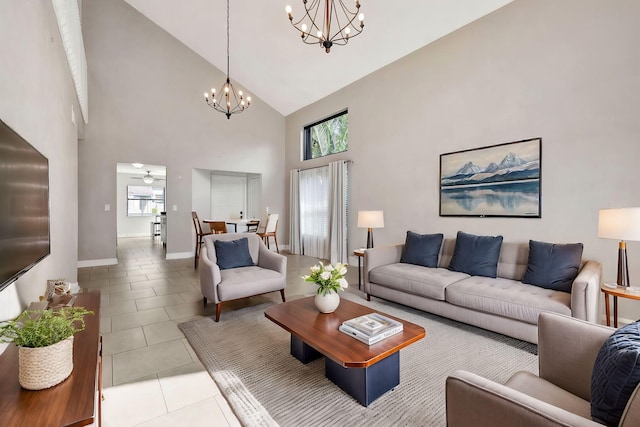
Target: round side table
[[622, 292]]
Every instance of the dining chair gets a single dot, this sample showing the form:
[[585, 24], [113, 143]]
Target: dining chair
[[199, 235], [270, 230], [252, 226], [217, 227]]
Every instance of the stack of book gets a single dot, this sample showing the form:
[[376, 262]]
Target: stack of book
[[371, 328]]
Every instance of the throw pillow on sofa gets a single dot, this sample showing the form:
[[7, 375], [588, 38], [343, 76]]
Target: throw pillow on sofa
[[233, 253], [553, 266], [616, 374], [476, 255], [421, 249]]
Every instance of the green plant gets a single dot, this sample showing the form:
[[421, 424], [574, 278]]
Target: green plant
[[41, 328], [328, 278]]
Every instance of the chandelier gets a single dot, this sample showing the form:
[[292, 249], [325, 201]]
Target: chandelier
[[337, 22], [229, 101]]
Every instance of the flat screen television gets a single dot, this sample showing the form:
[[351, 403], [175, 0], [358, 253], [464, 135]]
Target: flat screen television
[[24, 206]]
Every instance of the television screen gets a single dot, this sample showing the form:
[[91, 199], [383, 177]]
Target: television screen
[[24, 206]]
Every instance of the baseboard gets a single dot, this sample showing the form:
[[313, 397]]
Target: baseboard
[[97, 262], [179, 255]]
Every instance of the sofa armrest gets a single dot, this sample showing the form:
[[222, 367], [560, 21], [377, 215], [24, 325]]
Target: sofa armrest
[[585, 292], [209, 277], [476, 401], [567, 350], [382, 255], [272, 260]]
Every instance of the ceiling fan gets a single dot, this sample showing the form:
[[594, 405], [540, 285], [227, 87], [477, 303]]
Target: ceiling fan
[[148, 178]]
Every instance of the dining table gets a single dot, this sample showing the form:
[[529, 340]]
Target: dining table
[[235, 222]]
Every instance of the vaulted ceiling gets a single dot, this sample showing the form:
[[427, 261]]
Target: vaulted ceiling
[[269, 61]]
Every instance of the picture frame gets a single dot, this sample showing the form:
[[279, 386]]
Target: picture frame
[[502, 180]]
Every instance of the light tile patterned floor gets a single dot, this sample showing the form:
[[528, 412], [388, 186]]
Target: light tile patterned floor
[[152, 377]]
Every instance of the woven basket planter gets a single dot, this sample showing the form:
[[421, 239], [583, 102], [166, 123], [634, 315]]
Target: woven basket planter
[[44, 367]]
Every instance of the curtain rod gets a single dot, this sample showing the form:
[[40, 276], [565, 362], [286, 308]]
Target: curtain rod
[[318, 167]]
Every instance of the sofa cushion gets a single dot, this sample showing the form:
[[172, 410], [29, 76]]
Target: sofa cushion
[[507, 298], [553, 266], [415, 279], [476, 255], [421, 249], [248, 281], [541, 389], [616, 373], [233, 253]]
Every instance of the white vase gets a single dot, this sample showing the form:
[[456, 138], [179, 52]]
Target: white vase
[[327, 303], [44, 367]]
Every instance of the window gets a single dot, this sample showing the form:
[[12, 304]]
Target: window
[[144, 200], [328, 136]]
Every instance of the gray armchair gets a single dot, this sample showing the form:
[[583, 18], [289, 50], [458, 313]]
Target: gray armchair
[[269, 274], [559, 396]]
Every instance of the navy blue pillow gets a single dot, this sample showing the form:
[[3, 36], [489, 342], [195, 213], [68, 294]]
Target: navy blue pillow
[[553, 266], [421, 249], [616, 373], [233, 253], [476, 255]]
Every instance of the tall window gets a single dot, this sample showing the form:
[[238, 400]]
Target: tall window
[[144, 200], [328, 136]]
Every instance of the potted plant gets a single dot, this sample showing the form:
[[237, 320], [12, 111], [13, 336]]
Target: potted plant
[[330, 280], [45, 344]]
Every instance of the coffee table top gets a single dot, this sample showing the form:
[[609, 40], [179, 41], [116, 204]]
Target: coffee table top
[[301, 318]]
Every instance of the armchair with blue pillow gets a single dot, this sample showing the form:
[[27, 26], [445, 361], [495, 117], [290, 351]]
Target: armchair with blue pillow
[[235, 266], [588, 376]]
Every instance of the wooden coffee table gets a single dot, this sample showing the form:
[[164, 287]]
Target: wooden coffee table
[[364, 371]]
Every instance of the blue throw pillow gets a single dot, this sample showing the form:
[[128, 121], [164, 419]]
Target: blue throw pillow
[[233, 253], [476, 255], [553, 266], [421, 249], [616, 374]]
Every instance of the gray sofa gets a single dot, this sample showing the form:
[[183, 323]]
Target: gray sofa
[[559, 396], [502, 304]]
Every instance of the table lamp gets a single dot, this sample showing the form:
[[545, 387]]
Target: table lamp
[[620, 224], [369, 220]]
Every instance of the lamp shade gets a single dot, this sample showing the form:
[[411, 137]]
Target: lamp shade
[[619, 224], [370, 219]]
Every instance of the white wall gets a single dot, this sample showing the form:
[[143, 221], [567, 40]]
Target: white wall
[[36, 98], [563, 71], [146, 102]]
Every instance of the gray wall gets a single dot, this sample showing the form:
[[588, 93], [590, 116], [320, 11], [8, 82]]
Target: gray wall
[[564, 71], [147, 105], [36, 98]]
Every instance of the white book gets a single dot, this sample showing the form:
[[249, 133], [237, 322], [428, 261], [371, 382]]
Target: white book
[[374, 324], [360, 336]]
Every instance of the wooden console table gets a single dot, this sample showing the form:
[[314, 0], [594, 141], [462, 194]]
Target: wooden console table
[[70, 403]]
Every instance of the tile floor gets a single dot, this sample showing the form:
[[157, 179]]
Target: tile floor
[[152, 377]]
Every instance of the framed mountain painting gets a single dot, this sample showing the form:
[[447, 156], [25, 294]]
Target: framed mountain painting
[[500, 180]]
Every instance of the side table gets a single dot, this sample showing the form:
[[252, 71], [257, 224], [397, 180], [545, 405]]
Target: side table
[[622, 292], [360, 254]]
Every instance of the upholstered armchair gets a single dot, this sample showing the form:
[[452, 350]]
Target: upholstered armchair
[[232, 273], [559, 396]]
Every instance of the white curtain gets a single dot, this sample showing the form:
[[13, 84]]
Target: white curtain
[[295, 245], [338, 212], [314, 212], [318, 210]]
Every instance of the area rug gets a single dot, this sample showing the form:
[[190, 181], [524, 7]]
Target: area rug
[[248, 357]]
